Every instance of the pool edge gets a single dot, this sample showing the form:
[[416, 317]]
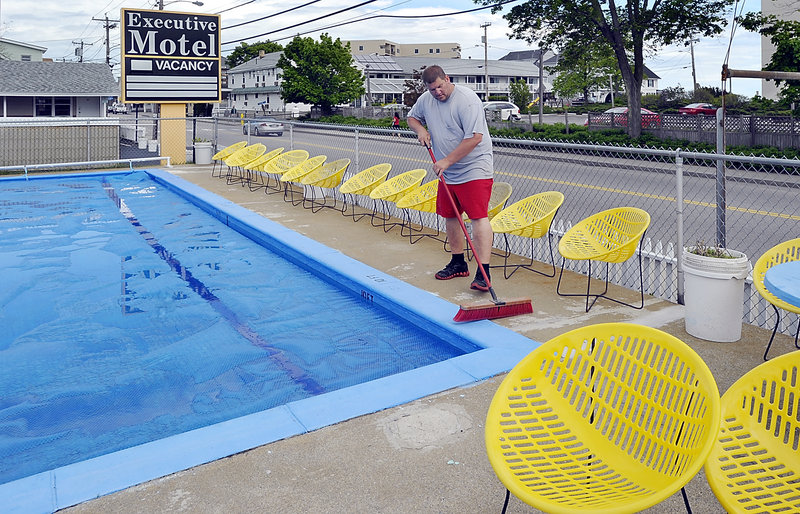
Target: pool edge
[[502, 348]]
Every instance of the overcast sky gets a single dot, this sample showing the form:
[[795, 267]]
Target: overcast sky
[[48, 23]]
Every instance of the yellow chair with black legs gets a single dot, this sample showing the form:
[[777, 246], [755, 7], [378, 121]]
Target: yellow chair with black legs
[[240, 158], [328, 176], [787, 251], [362, 184], [612, 236], [754, 465], [393, 190], [220, 156], [531, 218], [279, 165], [610, 418], [419, 200], [254, 176], [294, 174]]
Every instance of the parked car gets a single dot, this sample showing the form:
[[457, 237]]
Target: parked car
[[118, 108], [262, 127], [699, 108], [507, 110], [619, 116]]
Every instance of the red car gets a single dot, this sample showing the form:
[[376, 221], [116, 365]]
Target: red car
[[618, 116], [694, 109]]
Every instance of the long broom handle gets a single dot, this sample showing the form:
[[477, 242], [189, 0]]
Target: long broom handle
[[463, 227]]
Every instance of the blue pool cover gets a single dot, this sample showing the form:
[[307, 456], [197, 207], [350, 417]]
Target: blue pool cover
[[135, 322]]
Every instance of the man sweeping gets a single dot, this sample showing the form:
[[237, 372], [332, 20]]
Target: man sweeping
[[458, 133]]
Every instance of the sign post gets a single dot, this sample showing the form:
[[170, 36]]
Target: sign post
[[170, 58]]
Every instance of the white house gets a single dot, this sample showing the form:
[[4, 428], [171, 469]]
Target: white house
[[11, 50]]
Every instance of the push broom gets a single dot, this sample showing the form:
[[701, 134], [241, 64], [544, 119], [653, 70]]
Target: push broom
[[483, 310]]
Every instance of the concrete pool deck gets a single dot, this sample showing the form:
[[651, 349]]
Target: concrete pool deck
[[424, 456]]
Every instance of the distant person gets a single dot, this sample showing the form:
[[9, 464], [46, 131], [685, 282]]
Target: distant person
[[396, 124], [451, 119]]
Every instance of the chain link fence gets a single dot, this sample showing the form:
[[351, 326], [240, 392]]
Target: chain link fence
[[747, 204]]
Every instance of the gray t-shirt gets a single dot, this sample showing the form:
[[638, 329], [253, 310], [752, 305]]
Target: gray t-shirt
[[449, 123]]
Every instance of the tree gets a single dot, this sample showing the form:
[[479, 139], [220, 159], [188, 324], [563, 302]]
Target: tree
[[520, 94], [319, 73], [625, 28], [413, 87], [581, 69], [244, 52], [785, 36]]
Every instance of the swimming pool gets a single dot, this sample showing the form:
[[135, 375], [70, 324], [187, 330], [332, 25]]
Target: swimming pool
[[321, 399]]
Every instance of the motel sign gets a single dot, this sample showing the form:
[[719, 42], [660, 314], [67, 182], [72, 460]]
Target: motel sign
[[170, 57]]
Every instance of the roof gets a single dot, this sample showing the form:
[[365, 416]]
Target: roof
[[20, 43], [56, 78], [265, 62]]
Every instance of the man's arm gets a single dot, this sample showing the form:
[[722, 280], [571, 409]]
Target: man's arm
[[422, 133]]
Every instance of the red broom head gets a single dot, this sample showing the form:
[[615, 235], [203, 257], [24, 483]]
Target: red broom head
[[491, 310]]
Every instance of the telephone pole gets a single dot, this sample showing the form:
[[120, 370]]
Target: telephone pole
[[79, 51], [108, 24], [486, 58], [694, 75]]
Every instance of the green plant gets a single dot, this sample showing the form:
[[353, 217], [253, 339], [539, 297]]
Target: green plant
[[200, 140], [706, 250]]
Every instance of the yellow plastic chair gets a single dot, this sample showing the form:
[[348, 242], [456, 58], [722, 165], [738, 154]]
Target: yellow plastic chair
[[328, 176], [421, 200], [531, 217], [297, 172], [223, 154], [785, 252], [608, 418], [238, 159], [754, 465], [392, 190], [279, 165], [610, 236], [362, 184], [501, 192], [255, 178]]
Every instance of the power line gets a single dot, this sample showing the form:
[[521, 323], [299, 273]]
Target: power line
[[303, 22], [394, 16], [271, 15]]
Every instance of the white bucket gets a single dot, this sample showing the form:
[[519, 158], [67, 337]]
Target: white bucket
[[714, 295], [152, 145]]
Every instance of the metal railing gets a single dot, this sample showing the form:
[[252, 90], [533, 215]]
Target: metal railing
[[749, 203]]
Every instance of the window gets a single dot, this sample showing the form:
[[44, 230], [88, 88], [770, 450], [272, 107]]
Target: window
[[44, 106], [651, 83], [360, 48], [25, 58], [430, 50], [416, 50], [62, 105], [437, 50]]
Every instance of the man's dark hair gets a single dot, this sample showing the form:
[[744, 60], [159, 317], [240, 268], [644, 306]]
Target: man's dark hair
[[431, 73]]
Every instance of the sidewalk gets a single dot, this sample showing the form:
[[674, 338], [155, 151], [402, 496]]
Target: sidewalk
[[426, 456]]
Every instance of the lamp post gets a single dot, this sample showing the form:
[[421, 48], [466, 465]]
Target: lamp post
[[486, 58], [369, 92]]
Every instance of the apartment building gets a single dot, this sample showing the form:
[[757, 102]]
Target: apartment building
[[390, 48]]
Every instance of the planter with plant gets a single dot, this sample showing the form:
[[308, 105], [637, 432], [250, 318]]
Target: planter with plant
[[203, 150], [714, 291]]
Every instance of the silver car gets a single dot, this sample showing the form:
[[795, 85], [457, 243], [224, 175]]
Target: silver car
[[262, 127]]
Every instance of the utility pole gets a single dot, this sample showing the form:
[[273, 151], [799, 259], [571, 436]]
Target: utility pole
[[109, 24], [486, 58], [694, 75], [79, 51], [541, 87]]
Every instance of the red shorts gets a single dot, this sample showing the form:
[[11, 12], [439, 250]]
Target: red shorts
[[471, 197]]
